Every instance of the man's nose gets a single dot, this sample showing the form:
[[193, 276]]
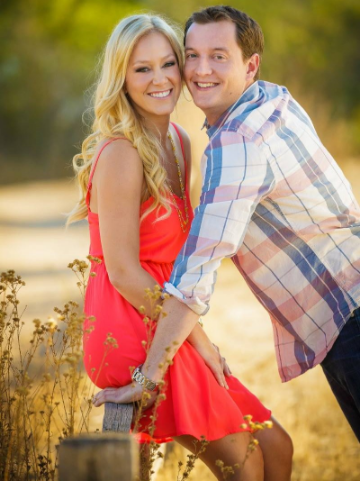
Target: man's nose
[[203, 67]]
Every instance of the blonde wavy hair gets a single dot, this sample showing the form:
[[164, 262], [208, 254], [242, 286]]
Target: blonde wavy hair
[[114, 115]]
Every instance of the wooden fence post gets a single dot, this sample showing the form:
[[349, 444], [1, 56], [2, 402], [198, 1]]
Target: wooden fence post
[[117, 417], [99, 457]]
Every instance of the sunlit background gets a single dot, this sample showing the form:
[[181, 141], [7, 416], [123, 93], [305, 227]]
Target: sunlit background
[[49, 55]]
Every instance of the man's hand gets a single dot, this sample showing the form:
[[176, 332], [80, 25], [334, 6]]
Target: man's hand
[[125, 394]]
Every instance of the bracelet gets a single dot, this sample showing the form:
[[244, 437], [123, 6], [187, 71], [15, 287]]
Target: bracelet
[[140, 378]]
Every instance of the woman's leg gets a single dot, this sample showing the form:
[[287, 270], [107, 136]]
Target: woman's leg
[[277, 449], [231, 449]]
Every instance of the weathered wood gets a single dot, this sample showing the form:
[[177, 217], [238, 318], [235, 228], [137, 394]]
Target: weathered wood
[[99, 457], [117, 417]]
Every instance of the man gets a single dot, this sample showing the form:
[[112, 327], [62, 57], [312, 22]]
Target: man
[[273, 200]]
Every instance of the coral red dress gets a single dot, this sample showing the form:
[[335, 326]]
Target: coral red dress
[[195, 403]]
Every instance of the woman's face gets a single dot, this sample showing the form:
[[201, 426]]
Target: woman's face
[[153, 79]]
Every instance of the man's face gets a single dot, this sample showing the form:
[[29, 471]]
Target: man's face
[[215, 71]]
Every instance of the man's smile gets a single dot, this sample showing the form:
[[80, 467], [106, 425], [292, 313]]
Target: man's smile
[[205, 85]]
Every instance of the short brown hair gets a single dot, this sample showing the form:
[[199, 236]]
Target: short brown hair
[[249, 35]]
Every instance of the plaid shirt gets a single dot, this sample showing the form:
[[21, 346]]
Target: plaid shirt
[[275, 201]]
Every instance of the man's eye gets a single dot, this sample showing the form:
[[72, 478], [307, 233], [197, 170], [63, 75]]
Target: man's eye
[[191, 55]]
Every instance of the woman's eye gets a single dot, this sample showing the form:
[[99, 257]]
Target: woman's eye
[[142, 69], [169, 64], [190, 55]]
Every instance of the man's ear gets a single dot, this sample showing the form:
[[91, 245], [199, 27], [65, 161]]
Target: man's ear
[[253, 66]]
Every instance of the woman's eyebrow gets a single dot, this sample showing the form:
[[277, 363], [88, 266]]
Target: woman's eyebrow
[[162, 59]]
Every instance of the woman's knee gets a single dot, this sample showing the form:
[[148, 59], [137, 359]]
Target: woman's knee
[[241, 458], [234, 455], [288, 444], [284, 443], [247, 468], [277, 442]]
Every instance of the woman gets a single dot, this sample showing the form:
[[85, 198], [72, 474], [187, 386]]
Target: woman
[[134, 173]]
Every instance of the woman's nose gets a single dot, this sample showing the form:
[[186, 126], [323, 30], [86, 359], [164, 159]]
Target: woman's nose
[[159, 77]]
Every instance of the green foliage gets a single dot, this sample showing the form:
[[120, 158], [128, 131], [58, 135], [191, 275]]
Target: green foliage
[[48, 56], [50, 50]]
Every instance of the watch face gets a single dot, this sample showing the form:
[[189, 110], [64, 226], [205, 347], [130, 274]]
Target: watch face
[[150, 385]]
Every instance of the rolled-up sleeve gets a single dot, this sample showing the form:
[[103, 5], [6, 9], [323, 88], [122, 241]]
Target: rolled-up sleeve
[[235, 179]]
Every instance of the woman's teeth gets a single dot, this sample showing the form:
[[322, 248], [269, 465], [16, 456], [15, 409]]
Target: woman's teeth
[[160, 94]]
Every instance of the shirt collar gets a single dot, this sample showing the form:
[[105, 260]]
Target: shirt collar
[[250, 94]]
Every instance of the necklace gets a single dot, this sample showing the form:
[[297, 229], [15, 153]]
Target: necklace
[[183, 221]]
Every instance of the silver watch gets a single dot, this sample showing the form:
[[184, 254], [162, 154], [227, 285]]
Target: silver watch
[[139, 377]]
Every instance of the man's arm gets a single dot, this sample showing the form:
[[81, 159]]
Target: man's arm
[[180, 324], [236, 179], [156, 363]]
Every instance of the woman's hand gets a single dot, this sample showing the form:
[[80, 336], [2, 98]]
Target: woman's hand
[[210, 354], [214, 361], [225, 366], [125, 394]]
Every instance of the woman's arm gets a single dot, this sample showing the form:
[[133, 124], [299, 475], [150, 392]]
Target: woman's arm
[[115, 196]]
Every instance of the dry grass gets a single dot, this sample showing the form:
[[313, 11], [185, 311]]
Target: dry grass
[[45, 396], [44, 392]]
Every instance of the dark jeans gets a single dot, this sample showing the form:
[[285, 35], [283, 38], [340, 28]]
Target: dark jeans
[[342, 370]]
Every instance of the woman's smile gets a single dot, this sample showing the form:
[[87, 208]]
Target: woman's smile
[[153, 74]]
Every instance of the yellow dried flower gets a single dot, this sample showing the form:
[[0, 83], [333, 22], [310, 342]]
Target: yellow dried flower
[[268, 424]]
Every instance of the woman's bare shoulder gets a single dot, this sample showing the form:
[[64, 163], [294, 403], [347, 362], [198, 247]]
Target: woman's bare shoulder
[[117, 156]]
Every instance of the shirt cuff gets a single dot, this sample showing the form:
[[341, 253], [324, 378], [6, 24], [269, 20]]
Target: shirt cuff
[[193, 303]]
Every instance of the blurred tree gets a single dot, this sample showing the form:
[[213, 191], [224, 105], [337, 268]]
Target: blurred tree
[[49, 52], [312, 46], [48, 57]]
